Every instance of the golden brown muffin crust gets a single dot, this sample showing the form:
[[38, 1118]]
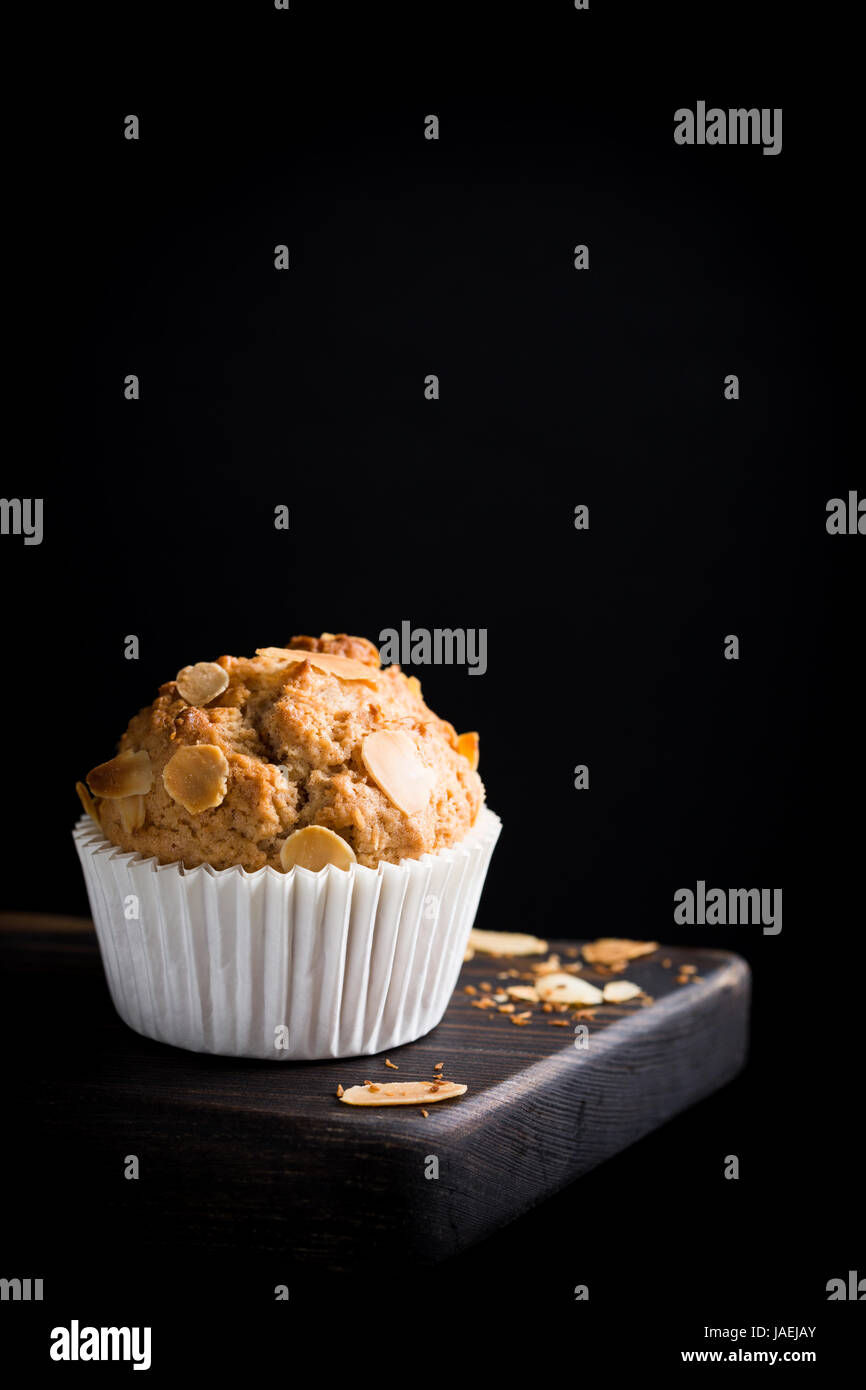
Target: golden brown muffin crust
[[293, 738]]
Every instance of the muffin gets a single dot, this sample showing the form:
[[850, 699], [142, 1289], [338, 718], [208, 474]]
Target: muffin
[[285, 856]]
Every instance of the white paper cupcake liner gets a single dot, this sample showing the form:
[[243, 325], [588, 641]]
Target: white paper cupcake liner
[[330, 964]]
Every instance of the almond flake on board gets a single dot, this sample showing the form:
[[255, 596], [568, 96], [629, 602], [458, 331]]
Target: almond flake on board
[[620, 992], [392, 1065], [196, 777], [566, 989], [129, 774], [392, 759], [402, 1093], [505, 943], [551, 966], [314, 848], [610, 950], [201, 683], [526, 992]]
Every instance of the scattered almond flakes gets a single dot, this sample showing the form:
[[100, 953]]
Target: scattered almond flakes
[[486, 986], [558, 1023], [503, 943], [688, 970], [469, 989], [424, 1112], [437, 1066], [620, 992], [339, 1089], [666, 963], [507, 1008], [392, 1065], [545, 967], [566, 989], [609, 950], [526, 992], [521, 1022]]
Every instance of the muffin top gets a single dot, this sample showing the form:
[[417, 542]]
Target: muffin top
[[235, 757]]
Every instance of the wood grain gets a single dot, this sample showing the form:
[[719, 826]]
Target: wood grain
[[266, 1148]]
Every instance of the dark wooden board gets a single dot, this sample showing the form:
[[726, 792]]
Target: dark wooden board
[[225, 1144]]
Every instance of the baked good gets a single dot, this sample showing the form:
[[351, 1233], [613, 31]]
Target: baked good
[[234, 757], [284, 858]]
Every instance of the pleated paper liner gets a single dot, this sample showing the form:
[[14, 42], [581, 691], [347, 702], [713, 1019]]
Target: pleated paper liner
[[282, 967]]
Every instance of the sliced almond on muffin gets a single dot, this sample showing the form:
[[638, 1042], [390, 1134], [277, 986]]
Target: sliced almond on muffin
[[197, 777], [314, 848], [394, 763], [129, 774], [201, 683]]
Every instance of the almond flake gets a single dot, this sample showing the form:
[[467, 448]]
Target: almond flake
[[392, 759], [402, 1093], [620, 992], [201, 683], [527, 992], [504, 943], [314, 848], [467, 746], [566, 989], [129, 774], [87, 802], [609, 950], [197, 777], [345, 668], [132, 812]]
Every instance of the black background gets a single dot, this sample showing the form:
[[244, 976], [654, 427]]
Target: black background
[[305, 387]]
